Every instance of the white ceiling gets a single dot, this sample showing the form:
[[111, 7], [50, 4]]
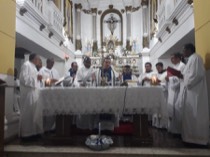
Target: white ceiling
[[101, 4]]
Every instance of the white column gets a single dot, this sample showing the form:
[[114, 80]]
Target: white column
[[94, 35], [128, 24], [78, 43]]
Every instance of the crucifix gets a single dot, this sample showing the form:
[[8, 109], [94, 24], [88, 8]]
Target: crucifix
[[112, 23]]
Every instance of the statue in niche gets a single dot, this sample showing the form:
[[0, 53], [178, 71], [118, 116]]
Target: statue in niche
[[111, 45], [112, 23]]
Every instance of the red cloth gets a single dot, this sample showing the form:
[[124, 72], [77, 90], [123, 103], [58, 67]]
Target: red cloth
[[124, 128], [173, 72]]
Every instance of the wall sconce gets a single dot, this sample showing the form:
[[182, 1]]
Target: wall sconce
[[175, 21], [159, 39], [22, 11], [41, 27], [168, 30], [50, 34]]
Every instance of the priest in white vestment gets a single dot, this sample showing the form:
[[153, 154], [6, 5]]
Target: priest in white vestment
[[175, 91], [195, 124], [28, 96], [48, 72], [85, 77], [86, 74], [157, 120], [145, 78]]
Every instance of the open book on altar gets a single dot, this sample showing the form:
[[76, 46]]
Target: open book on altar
[[173, 72]]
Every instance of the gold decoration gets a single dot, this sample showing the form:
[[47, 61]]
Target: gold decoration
[[78, 44], [68, 19]]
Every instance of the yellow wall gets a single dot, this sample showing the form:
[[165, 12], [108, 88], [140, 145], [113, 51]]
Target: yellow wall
[[7, 36], [202, 29]]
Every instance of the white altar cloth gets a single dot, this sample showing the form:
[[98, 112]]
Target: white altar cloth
[[94, 100]]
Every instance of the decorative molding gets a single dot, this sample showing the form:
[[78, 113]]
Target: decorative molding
[[131, 9], [159, 39], [190, 2], [99, 12], [111, 6], [122, 11], [22, 11], [94, 10], [50, 34], [42, 27], [78, 6], [61, 43], [91, 11], [128, 8], [87, 11], [175, 21], [168, 30], [144, 3], [135, 8]]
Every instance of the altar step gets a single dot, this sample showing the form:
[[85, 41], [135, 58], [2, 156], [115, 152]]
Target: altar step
[[58, 151]]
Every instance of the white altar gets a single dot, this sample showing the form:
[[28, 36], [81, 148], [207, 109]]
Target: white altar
[[95, 100]]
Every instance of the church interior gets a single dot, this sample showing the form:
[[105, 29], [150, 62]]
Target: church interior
[[82, 78]]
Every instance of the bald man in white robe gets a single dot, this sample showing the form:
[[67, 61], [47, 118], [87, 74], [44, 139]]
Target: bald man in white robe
[[29, 85], [195, 124]]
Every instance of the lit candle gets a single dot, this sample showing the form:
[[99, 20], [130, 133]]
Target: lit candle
[[47, 82], [154, 80]]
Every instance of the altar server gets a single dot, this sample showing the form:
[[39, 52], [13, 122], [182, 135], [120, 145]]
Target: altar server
[[145, 78], [175, 92], [195, 125], [161, 73], [28, 96], [48, 72], [157, 120], [85, 75]]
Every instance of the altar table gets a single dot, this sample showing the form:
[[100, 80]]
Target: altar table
[[97, 100]]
